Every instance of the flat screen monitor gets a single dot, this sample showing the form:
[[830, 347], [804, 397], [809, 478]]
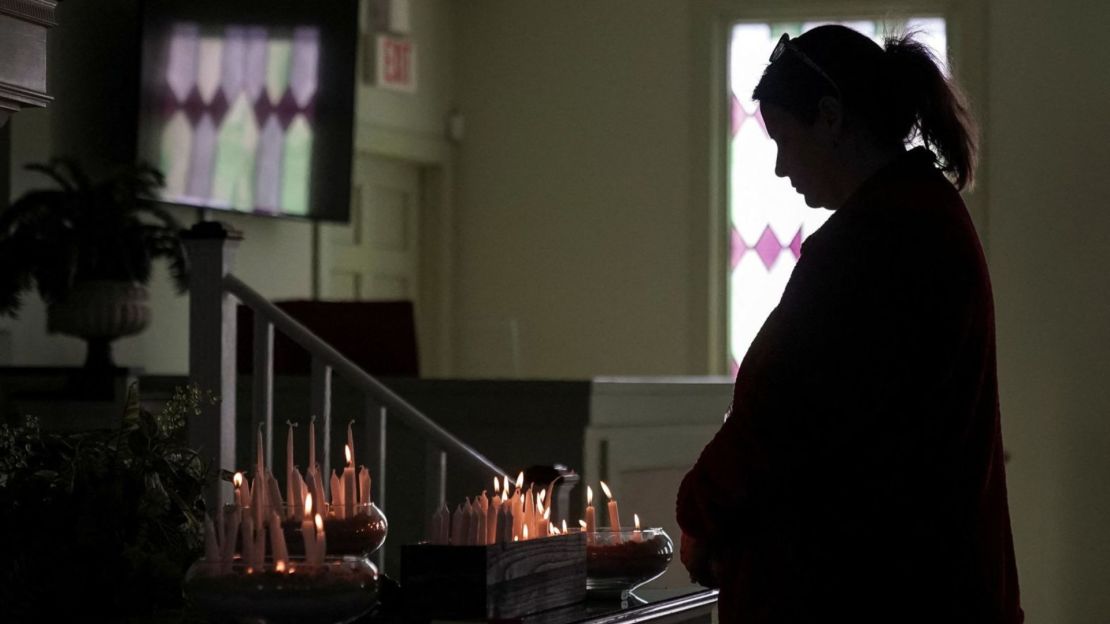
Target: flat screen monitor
[[249, 106]]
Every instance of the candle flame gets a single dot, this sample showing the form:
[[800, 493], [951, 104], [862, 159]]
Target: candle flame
[[547, 514], [308, 505], [279, 566], [582, 523], [589, 495], [237, 480], [526, 531], [551, 528], [605, 488], [540, 497], [347, 452], [520, 480], [496, 485], [292, 570], [319, 524], [516, 539], [250, 570], [637, 519], [564, 525]]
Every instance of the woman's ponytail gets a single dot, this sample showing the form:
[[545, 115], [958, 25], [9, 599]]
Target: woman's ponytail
[[929, 105]]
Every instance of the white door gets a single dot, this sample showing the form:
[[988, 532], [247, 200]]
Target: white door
[[376, 255]]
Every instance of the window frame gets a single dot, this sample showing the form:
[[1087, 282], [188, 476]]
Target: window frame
[[712, 23]]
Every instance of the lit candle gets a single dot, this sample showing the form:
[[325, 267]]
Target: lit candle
[[491, 514], [350, 483], [317, 487], [546, 523], [589, 526], [564, 531], [505, 521], [636, 535], [518, 512], [321, 541], [529, 507], [351, 440], [296, 504], [308, 530], [237, 482], [614, 514]]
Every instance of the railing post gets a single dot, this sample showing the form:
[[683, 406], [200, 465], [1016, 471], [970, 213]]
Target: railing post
[[211, 250], [321, 407], [262, 392], [374, 421], [435, 482]]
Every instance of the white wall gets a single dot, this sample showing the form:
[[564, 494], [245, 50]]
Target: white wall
[[1049, 138], [573, 188]]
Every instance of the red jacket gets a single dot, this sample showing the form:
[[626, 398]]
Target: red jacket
[[860, 476]]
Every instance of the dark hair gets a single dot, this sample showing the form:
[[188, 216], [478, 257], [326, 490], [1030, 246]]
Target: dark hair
[[896, 92]]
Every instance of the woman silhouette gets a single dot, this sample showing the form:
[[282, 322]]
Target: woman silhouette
[[859, 476]]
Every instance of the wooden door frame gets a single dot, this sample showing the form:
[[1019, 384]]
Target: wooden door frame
[[434, 158]]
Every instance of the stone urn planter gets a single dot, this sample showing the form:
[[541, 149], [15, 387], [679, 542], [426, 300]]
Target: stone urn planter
[[88, 246], [99, 312]]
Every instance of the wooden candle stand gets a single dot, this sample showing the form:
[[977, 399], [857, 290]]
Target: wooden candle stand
[[498, 581]]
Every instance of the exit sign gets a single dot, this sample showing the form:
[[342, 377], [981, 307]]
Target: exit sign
[[396, 63]]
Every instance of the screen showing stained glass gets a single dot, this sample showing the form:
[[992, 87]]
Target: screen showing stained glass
[[767, 220], [237, 117], [249, 112]]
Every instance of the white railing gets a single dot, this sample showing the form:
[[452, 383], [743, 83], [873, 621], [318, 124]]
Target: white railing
[[212, 360]]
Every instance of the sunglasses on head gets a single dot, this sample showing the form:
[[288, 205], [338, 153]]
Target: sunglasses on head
[[785, 44]]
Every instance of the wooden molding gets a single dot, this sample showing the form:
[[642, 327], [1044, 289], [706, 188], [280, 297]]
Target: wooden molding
[[36, 11], [23, 52]]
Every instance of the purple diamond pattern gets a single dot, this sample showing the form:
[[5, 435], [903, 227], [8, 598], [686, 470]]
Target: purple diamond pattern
[[194, 106], [736, 116], [218, 107], [796, 245], [737, 248], [768, 247], [286, 109]]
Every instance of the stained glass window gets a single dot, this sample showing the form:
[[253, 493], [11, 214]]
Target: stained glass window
[[236, 120], [767, 220]]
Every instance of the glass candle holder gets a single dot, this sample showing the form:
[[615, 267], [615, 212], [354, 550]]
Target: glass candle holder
[[618, 561], [361, 533], [339, 590]]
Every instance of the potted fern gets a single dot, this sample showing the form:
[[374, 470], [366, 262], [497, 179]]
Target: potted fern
[[88, 247]]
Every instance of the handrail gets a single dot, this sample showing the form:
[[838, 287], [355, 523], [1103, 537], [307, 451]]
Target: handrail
[[301, 335]]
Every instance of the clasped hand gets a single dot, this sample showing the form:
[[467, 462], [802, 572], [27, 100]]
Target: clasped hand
[[699, 561]]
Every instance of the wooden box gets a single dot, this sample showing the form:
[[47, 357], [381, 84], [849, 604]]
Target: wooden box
[[493, 582]]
